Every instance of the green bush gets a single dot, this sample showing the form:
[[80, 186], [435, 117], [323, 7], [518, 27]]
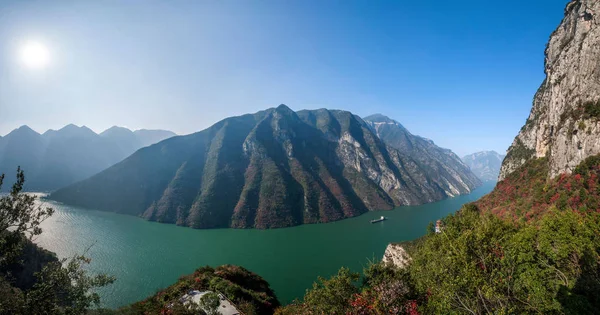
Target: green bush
[[592, 109]]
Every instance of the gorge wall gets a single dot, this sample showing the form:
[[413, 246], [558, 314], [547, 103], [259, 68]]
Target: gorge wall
[[563, 123]]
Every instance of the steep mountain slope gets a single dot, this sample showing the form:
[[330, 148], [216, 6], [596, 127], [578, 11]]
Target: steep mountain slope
[[274, 168], [124, 140], [438, 162], [71, 154], [23, 147], [61, 157], [147, 137], [563, 123], [128, 141], [485, 165]]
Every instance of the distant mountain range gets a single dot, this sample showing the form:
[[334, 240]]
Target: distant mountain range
[[486, 164], [438, 163], [58, 158], [276, 168]]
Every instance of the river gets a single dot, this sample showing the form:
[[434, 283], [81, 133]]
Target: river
[[146, 256]]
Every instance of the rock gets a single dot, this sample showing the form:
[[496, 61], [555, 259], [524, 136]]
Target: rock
[[396, 255], [564, 121]]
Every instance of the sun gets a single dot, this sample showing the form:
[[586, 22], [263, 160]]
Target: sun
[[34, 55]]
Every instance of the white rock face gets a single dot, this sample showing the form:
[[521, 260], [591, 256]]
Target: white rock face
[[560, 125], [397, 255]]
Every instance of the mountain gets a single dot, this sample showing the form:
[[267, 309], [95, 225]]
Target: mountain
[[22, 146], [439, 163], [274, 168], [485, 164], [61, 157], [532, 245], [147, 137], [563, 123], [124, 139], [129, 141]]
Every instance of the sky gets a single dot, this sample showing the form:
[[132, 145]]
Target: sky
[[462, 73]]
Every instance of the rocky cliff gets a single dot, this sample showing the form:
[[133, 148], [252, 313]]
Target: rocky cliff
[[396, 254], [439, 163], [563, 123]]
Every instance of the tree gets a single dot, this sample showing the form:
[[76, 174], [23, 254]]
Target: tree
[[327, 296], [59, 286], [210, 302], [20, 219]]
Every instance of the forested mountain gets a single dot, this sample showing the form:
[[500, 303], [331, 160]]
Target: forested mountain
[[61, 157], [274, 168], [485, 164]]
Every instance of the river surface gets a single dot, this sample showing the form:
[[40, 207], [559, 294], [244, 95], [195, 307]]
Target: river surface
[[146, 256]]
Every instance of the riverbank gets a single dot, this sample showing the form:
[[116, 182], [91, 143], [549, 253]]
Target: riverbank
[[147, 256]]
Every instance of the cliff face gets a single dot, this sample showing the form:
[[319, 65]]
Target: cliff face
[[440, 164], [396, 254], [563, 123]]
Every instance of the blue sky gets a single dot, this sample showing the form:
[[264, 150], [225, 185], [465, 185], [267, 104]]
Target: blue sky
[[462, 73]]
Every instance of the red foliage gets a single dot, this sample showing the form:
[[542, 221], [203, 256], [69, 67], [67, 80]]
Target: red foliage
[[568, 186], [562, 178], [528, 193], [412, 308], [592, 182], [555, 198], [575, 202], [481, 265], [361, 305]]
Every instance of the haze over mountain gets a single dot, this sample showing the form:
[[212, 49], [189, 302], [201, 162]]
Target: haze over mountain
[[274, 168], [61, 157], [485, 164]]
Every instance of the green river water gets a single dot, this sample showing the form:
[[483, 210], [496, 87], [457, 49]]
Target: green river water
[[146, 256]]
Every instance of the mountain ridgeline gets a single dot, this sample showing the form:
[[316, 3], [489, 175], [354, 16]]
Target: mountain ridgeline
[[438, 162], [58, 158], [485, 164], [274, 168]]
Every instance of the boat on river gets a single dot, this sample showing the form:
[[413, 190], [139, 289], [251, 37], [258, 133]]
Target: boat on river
[[382, 218]]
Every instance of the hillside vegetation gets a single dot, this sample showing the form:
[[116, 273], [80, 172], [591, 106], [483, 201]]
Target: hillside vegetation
[[248, 291], [497, 256], [527, 194], [33, 280]]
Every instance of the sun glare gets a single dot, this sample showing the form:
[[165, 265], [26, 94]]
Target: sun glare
[[34, 55]]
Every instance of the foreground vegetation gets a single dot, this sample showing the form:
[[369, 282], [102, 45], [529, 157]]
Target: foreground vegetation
[[249, 292], [530, 247], [33, 280]]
